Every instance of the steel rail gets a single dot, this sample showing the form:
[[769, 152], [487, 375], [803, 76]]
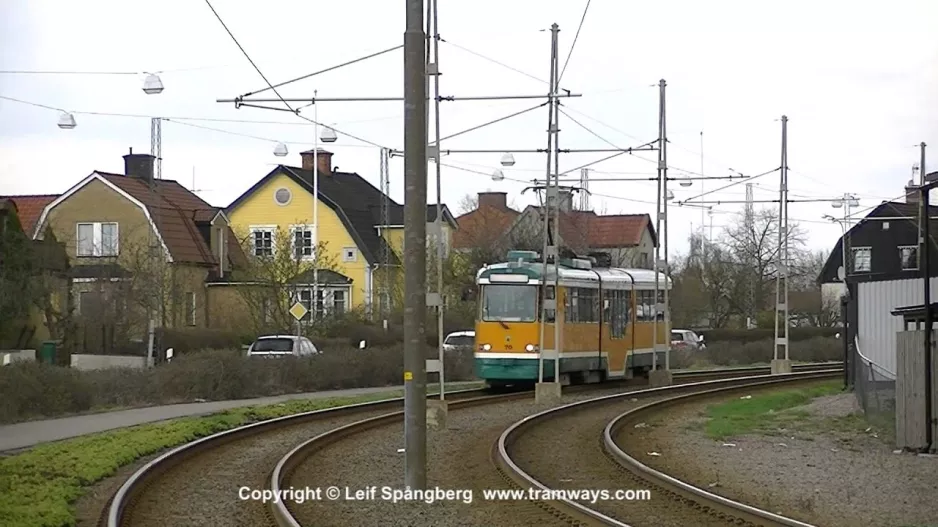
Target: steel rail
[[134, 486], [578, 514], [731, 510]]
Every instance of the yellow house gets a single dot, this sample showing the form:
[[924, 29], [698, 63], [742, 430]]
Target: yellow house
[[361, 250]]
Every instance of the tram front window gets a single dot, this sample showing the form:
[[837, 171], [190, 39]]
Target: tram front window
[[509, 303]]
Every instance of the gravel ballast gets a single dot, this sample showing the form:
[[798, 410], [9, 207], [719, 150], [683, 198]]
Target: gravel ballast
[[577, 461], [204, 489], [827, 469], [458, 458]]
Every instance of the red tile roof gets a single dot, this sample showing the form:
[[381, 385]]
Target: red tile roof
[[177, 213], [484, 224], [621, 230], [30, 207]]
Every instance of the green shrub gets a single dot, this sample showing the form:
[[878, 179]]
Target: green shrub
[[38, 486], [33, 390], [752, 335], [817, 349]]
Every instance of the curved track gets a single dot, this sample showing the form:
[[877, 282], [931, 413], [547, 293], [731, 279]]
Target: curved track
[[149, 487], [519, 456]]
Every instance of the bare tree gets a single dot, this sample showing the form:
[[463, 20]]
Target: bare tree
[[273, 280], [754, 249]]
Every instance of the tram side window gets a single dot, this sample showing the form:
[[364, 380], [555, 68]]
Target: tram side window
[[645, 305], [619, 319], [550, 315], [582, 305]]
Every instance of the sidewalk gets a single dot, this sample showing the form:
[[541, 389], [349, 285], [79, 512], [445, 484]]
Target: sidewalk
[[30, 433]]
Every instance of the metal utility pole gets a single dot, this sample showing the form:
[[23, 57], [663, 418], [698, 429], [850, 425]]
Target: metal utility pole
[[433, 69], [384, 289], [660, 216], [415, 249], [925, 258], [315, 299], [156, 316], [750, 221], [584, 189], [555, 129], [702, 181], [781, 276], [551, 238], [667, 267]]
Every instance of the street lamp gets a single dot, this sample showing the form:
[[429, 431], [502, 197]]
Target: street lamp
[[498, 175], [67, 121], [685, 181], [281, 150], [328, 135], [508, 160], [152, 85]]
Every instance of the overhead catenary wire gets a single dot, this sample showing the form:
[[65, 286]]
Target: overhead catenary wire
[[575, 39], [277, 93], [325, 70]]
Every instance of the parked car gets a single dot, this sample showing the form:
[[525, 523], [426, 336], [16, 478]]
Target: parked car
[[459, 339], [687, 339], [273, 346]]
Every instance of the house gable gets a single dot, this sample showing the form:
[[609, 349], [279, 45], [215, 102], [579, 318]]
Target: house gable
[[884, 230], [260, 208], [97, 178]]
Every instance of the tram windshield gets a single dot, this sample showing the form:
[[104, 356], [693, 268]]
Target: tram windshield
[[509, 303]]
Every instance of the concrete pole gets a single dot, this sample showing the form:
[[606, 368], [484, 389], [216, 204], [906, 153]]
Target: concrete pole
[[558, 348], [415, 249]]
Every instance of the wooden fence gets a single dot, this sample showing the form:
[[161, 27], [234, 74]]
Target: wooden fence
[[911, 421]]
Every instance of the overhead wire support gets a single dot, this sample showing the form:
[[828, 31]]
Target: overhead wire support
[[241, 101], [576, 38], [330, 68], [748, 178], [782, 272], [433, 69]]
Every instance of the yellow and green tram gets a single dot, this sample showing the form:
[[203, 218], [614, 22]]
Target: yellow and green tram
[[607, 318]]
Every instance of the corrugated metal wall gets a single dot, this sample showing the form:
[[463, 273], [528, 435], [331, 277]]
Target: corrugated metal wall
[[876, 326]]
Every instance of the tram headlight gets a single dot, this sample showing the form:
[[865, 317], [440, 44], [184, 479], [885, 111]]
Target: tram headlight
[[530, 348], [486, 347]]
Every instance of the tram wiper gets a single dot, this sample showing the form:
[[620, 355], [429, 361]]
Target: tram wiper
[[506, 325]]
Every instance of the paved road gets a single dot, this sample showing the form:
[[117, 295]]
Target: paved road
[[22, 435]]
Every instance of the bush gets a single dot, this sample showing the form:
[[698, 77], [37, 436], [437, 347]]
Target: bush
[[817, 349], [753, 335], [31, 390]]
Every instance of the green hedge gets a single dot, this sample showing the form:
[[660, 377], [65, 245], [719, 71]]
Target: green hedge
[[753, 335]]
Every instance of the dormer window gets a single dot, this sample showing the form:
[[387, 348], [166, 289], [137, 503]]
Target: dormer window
[[862, 259], [908, 257]]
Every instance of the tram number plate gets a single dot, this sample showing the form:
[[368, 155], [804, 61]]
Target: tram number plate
[[508, 347]]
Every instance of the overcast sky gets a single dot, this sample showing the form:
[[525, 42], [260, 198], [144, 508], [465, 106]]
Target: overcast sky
[[857, 80]]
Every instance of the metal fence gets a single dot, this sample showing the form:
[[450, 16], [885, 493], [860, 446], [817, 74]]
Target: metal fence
[[875, 388]]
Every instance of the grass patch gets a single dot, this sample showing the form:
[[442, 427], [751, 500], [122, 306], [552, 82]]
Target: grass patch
[[763, 412], [37, 487]]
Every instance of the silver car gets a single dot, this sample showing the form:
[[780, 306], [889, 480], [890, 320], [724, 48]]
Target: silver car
[[273, 346], [687, 339]]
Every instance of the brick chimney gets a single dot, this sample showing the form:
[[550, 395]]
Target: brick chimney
[[324, 159], [911, 193], [498, 200], [139, 166]]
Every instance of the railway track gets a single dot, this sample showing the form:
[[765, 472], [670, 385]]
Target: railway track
[[592, 458], [145, 496]]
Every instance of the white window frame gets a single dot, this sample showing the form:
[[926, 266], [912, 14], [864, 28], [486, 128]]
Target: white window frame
[[191, 303], [97, 237], [916, 262], [272, 229], [306, 228], [853, 254], [345, 254]]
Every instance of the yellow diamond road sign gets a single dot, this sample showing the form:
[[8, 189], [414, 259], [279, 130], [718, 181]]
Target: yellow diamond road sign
[[298, 311]]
